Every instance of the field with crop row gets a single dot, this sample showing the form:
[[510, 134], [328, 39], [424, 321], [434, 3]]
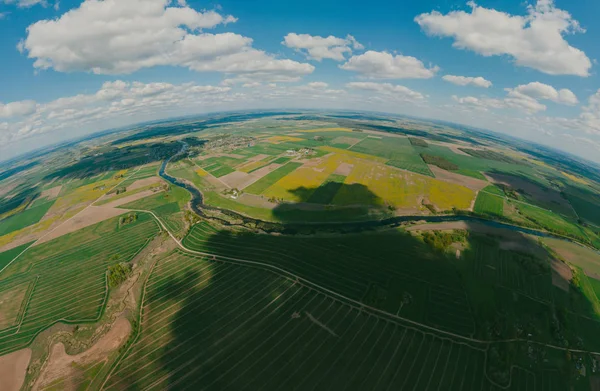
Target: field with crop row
[[67, 280], [211, 325], [378, 268], [489, 204]]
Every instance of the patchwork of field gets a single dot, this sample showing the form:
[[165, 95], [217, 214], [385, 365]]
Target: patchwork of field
[[66, 278], [211, 325], [376, 269]]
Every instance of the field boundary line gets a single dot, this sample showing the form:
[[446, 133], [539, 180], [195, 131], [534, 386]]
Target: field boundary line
[[69, 219]]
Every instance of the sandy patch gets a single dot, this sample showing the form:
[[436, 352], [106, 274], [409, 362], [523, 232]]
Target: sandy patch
[[87, 217], [144, 182], [60, 365], [238, 179], [561, 274], [261, 172], [129, 198], [344, 169], [51, 194], [13, 368], [447, 176]]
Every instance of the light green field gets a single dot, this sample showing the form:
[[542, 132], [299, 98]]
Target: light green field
[[489, 204]]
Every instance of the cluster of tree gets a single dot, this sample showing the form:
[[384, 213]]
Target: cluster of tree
[[118, 273], [442, 240], [418, 142], [130, 218], [439, 161], [121, 190]]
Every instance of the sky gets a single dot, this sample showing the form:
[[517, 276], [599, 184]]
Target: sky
[[525, 69]]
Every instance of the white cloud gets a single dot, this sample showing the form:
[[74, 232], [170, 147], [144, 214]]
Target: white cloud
[[535, 40], [465, 81], [397, 91], [26, 3], [383, 65], [120, 37], [480, 103], [537, 90], [317, 48], [17, 109]]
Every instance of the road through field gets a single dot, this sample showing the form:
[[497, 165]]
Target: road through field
[[70, 218], [354, 303]]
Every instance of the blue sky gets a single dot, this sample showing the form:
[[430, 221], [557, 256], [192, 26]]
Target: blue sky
[[525, 69]]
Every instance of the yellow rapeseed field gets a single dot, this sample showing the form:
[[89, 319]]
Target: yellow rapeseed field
[[575, 178], [201, 172], [383, 185], [281, 139]]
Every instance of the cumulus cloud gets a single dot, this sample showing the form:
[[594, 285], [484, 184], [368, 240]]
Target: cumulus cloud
[[537, 90], [535, 40], [397, 91], [465, 81], [480, 103], [384, 65], [120, 37], [317, 48], [89, 112], [17, 109]]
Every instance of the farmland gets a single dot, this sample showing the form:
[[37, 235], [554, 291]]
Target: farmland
[[489, 204], [274, 332], [66, 277], [361, 255]]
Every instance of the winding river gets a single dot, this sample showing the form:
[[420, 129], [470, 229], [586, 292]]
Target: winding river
[[198, 206]]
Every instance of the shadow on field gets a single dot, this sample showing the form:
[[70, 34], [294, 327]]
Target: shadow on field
[[480, 283]]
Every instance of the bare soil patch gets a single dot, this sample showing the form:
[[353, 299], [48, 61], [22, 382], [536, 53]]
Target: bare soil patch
[[129, 198], [344, 169], [87, 217], [61, 365], [454, 147], [447, 176], [261, 172], [13, 368], [7, 188], [238, 179], [144, 182], [256, 200], [561, 274], [535, 191], [51, 194], [257, 158]]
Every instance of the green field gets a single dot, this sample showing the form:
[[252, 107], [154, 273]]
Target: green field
[[489, 204], [355, 265], [67, 276], [265, 182], [25, 218], [9, 255], [273, 333], [399, 151]]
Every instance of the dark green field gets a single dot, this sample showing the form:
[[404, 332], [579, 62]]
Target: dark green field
[[25, 218]]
